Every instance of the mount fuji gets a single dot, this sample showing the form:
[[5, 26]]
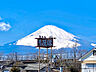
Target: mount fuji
[[63, 38]]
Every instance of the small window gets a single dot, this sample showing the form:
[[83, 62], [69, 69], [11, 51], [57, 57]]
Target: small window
[[94, 52]]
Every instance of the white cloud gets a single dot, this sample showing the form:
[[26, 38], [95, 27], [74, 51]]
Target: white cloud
[[4, 26]]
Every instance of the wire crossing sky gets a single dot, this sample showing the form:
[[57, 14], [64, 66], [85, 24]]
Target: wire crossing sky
[[19, 18]]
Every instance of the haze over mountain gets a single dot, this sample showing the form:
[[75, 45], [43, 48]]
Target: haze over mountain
[[63, 38]]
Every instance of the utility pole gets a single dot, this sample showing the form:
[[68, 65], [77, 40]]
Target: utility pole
[[51, 56], [39, 60], [15, 56], [47, 60]]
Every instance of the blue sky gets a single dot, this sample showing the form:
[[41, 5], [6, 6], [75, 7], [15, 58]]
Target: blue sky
[[26, 16]]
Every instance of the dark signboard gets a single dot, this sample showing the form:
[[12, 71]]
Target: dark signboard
[[45, 42]]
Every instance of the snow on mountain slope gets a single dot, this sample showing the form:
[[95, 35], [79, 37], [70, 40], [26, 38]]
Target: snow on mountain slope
[[63, 38], [94, 45]]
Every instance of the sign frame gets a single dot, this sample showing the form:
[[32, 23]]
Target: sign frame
[[45, 42]]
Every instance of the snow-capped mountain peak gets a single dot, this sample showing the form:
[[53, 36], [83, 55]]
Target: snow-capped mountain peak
[[63, 38]]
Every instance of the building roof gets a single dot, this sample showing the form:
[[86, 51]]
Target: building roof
[[34, 66], [89, 57], [87, 53]]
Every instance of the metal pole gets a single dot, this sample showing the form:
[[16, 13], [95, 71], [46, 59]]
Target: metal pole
[[51, 56], [15, 56], [47, 59], [39, 60], [93, 67]]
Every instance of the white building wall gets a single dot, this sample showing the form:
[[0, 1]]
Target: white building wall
[[88, 67]]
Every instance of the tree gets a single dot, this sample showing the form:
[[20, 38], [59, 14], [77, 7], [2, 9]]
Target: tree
[[15, 69], [81, 52]]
